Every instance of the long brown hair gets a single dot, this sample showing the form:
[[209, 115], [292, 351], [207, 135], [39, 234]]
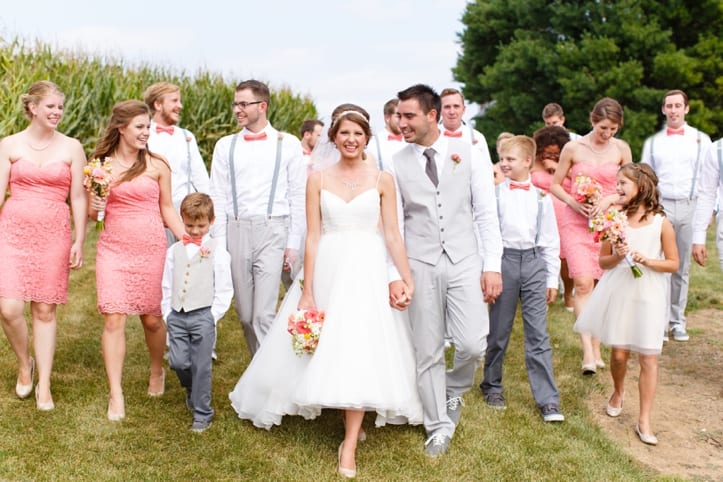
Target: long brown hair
[[122, 115], [648, 195]]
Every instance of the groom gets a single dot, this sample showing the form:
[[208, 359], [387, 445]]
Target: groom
[[447, 193]]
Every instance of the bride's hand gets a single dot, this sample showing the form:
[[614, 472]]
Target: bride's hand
[[306, 302], [400, 295]]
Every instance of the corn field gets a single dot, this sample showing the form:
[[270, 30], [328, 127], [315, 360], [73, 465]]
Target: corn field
[[93, 84]]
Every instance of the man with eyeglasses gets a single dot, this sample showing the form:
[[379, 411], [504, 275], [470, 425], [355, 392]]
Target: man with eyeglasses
[[257, 184]]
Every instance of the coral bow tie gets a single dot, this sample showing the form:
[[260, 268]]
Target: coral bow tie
[[397, 138], [189, 240], [168, 130], [453, 134], [307, 153], [255, 137], [520, 185], [672, 132]]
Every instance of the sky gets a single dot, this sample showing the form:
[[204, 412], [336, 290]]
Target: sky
[[334, 51]]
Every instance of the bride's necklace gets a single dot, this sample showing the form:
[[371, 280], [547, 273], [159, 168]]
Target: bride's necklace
[[52, 138], [352, 185]]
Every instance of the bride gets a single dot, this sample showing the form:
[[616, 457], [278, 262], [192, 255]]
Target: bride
[[364, 360]]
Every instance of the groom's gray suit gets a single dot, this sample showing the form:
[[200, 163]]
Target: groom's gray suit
[[446, 262]]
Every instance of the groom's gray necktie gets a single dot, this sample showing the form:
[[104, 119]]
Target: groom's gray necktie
[[431, 167]]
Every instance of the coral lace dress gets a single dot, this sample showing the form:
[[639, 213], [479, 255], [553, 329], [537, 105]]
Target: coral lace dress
[[131, 249], [35, 236]]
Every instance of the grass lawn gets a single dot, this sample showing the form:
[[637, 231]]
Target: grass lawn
[[76, 442]]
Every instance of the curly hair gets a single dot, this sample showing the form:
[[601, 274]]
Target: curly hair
[[550, 136], [648, 194]]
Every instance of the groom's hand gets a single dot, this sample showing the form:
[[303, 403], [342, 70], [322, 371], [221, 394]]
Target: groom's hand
[[491, 285]]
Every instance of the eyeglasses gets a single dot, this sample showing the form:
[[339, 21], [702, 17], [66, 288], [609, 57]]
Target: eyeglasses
[[243, 105]]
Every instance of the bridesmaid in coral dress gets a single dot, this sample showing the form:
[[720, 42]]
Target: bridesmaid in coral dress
[[132, 247], [549, 141], [43, 169], [597, 155]]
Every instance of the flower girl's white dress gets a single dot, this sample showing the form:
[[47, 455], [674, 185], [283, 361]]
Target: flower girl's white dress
[[627, 312], [365, 359]]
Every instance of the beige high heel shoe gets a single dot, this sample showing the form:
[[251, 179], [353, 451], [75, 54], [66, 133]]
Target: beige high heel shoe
[[43, 406], [163, 385], [24, 391], [344, 472]]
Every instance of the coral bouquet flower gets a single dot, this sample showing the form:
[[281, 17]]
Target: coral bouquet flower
[[98, 177], [305, 329], [587, 191], [610, 226]]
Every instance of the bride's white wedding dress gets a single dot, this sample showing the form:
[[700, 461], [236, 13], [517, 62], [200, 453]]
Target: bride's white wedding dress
[[364, 359]]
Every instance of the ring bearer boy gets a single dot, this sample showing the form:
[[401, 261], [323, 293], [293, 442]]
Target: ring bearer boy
[[197, 292]]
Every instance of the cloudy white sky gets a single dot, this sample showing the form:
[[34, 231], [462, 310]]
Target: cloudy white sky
[[332, 50]]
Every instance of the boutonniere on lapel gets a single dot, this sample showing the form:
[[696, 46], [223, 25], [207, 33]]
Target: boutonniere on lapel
[[204, 251], [456, 159]]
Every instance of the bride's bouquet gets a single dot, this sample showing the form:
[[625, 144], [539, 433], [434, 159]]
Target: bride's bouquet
[[610, 226], [97, 180], [587, 191], [305, 329]]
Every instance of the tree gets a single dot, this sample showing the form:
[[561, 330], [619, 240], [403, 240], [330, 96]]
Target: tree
[[518, 55]]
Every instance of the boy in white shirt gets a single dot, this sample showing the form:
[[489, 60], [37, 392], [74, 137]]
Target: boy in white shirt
[[530, 270], [197, 292]]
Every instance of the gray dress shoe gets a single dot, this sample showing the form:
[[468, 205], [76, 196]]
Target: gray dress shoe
[[436, 445]]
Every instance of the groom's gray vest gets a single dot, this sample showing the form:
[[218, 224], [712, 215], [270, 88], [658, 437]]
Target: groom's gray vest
[[437, 220]]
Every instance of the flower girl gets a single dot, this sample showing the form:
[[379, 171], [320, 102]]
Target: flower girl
[[629, 313]]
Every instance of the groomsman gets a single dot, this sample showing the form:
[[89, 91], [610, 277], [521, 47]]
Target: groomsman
[[553, 115], [389, 141], [258, 180], [452, 124], [176, 144], [711, 183], [676, 153], [310, 132], [446, 191]]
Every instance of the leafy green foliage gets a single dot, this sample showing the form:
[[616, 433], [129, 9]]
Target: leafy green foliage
[[519, 55], [92, 85]]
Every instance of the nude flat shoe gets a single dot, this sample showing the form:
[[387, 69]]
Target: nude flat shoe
[[615, 411], [645, 438], [24, 391], [589, 369]]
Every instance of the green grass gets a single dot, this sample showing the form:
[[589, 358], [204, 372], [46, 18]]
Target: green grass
[[75, 441]]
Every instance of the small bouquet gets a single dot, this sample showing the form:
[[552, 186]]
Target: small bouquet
[[305, 329], [97, 180], [587, 191], [610, 226]]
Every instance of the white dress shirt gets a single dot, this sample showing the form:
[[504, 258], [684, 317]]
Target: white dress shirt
[[175, 148], [254, 163], [676, 160], [222, 284], [711, 183], [484, 204], [518, 223], [475, 137], [382, 147]]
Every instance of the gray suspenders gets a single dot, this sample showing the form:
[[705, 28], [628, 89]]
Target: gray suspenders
[[274, 181], [538, 220], [695, 167], [191, 187]]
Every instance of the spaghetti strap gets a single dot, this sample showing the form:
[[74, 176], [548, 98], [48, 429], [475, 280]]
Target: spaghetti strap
[[321, 174], [379, 176]]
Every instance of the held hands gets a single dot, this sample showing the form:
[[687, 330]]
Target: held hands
[[400, 295]]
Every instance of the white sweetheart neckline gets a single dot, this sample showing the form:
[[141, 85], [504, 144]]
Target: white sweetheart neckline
[[352, 199]]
